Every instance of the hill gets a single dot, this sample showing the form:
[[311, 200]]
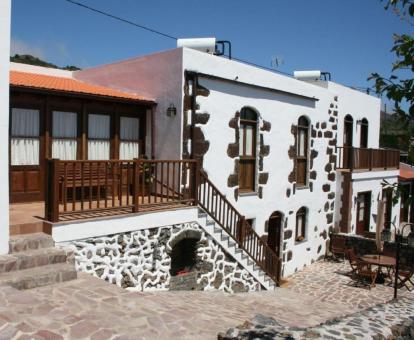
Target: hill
[[31, 60]]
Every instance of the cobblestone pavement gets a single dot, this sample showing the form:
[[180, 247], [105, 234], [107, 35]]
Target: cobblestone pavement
[[384, 321], [329, 282], [92, 308]]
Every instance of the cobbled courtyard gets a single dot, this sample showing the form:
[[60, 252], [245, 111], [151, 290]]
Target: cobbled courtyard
[[92, 308]]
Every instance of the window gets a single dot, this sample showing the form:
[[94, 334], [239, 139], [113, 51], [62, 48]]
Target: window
[[99, 137], [64, 134], [25, 128], [364, 134], [302, 144], [129, 135], [301, 224], [348, 130], [247, 150]]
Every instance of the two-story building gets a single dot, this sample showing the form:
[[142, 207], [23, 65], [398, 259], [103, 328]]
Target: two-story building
[[264, 166]]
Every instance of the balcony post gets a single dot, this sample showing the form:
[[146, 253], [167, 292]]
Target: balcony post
[[351, 158], [370, 159], [196, 183], [385, 152], [135, 185], [52, 191]]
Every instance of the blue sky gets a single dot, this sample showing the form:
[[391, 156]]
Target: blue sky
[[349, 38]]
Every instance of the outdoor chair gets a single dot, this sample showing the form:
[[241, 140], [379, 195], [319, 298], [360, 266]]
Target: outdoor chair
[[338, 247], [365, 275], [405, 275], [353, 260]]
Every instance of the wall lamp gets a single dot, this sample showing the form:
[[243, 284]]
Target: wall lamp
[[171, 111]]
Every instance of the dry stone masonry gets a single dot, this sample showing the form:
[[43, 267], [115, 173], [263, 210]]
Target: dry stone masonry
[[141, 261]]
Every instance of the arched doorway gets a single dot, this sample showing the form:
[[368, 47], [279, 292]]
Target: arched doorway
[[348, 136], [274, 231], [363, 143]]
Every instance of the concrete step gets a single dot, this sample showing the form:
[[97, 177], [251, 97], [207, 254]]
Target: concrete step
[[31, 258], [26, 242], [39, 276]]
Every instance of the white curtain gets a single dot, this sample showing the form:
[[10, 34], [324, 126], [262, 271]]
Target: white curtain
[[64, 132], [302, 143], [99, 137], [24, 151], [24, 143], [129, 135], [98, 150], [64, 149], [249, 140], [128, 150]]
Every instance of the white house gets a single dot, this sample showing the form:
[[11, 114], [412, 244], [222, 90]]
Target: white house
[[257, 164]]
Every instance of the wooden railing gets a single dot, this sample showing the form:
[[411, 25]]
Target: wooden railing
[[83, 189], [235, 224], [350, 158], [80, 188]]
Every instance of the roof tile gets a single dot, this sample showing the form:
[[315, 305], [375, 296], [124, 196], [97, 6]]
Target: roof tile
[[54, 83]]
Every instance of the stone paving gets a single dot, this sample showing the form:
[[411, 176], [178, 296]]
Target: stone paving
[[330, 283], [92, 308]]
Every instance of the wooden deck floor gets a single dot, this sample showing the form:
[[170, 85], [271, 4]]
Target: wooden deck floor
[[34, 212]]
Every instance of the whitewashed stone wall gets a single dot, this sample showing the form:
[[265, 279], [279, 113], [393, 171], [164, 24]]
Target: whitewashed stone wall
[[140, 260]]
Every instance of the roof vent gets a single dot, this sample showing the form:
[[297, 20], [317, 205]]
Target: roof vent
[[312, 75], [207, 45]]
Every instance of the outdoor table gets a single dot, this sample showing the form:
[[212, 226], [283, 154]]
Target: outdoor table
[[380, 261]]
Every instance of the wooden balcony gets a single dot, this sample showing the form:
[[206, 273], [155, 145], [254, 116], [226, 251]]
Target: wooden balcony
[[88, 189], [351, 159]]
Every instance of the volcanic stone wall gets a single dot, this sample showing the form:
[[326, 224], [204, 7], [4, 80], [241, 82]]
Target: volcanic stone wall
[[141, 261]]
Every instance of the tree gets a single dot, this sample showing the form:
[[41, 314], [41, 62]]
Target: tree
[[399, 86]]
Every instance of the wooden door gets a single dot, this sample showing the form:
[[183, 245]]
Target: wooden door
[[363, 142], [348, 136], [275, 227], [26, 155], [363, 212]]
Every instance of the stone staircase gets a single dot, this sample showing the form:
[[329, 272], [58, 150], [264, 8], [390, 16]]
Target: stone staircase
[[33, 261], [230, 245]]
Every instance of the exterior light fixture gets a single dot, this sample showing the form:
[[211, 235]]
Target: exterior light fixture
[[171, 111]]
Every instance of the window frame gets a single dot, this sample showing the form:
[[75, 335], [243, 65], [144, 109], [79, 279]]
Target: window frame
[[304, 159], [38, 138], [302, 213], [109, 139], [364, 133], [76, 138], [243, 158]]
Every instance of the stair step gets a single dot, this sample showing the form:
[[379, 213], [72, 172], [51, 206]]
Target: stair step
[[39, 276], [19, 243], [31, 258]]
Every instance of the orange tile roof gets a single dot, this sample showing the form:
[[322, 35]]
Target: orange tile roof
[[54, 83], [406, 172]]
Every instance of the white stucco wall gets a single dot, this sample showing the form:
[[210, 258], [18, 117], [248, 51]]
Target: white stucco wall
[[70, 231], [281, 111], [5, 12], [158, 76], [359, 105], [372, 181]]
